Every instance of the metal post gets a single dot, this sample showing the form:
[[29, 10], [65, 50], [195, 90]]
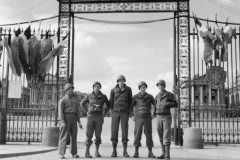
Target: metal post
[[179, 123], [174, 77], [57, 73], [73, 33], [189, 78]]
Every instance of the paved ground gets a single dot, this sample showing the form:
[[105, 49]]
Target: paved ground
[[221, 152], [177, 153]]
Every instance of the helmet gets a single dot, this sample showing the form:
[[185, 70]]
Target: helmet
[[67, 86], [141, 83], [121, 77], [162, 82], [96, 82]]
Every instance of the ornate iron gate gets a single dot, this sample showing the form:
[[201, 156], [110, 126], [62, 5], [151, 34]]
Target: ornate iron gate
[[22, 119], [180, 8], [215, 105]]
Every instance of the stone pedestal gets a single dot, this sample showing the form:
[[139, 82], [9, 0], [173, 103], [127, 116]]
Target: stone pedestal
[[50, 136], [192, 138]]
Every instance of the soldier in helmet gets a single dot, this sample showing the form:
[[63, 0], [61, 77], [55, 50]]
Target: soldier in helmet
[[144, 113], [96, 113], [69, 115], [120, 101], [164, 101]]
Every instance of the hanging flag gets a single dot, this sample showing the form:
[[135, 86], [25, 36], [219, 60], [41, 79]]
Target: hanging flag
[[46, 64], [27, 32], [17, 32], [11, 59]]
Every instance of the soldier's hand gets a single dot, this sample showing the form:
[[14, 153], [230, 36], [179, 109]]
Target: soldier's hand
[[63, 124], [133, 118], [80, 125]]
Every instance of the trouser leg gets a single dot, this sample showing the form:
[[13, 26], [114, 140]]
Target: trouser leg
[[64, 131], [73, 135], [98, 129], [159, 123], [167, 120], [115, 127], [148, 131], [138, 131], [90, 130], [124, 126]]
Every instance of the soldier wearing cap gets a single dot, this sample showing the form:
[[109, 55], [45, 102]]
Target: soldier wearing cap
[[164, 101], [69, 115], [96, 113], [144, 113], [120, 101]]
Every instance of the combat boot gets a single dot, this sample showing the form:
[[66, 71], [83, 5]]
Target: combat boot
[[114, 153], [150, 154], [125, 154], [136, 154], [167, 155], [87, 154], [163, 152], [96, 152]]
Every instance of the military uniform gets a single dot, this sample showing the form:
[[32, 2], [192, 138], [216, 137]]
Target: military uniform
[[95, 115], [164, 101], [120, 101], [69, 114], [143, 112]]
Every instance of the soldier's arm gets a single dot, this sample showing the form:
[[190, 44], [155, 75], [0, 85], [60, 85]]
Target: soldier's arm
[[171, 101], [78, 112], [60, 111], [130, 97], [111, 100], [83, 104], [155, 106], [106, 101]]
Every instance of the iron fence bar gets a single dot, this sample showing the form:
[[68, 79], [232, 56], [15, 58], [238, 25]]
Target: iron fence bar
[[194, 85], [21, 137], [203, 103], [29, 128], [52, 94], [224, 93], [26, 125], [238, 112], [199, 89], [232, 96], [38, 124]]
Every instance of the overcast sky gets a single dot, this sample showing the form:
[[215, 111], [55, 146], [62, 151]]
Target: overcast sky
[[142, 52]]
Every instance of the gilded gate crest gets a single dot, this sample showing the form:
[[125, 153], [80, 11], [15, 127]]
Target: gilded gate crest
[[216, 77]]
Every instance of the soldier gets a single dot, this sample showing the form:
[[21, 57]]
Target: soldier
[[164, 101], [69, 115], [95, 112], [120, 101], [144, 105]]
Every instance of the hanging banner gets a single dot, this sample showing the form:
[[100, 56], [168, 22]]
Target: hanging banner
[[216, 77], [14, 89]]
